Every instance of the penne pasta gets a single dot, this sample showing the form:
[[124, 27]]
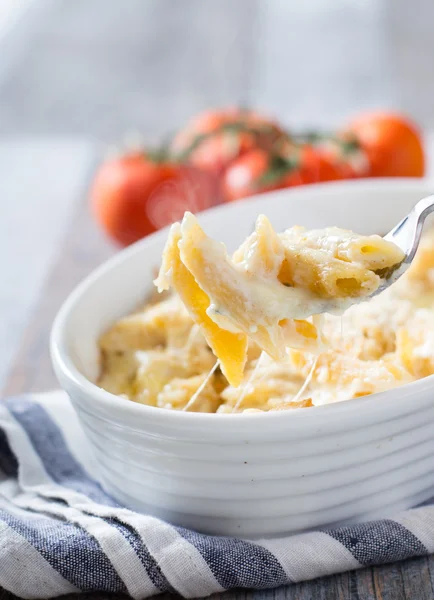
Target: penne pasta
[[251, 332]]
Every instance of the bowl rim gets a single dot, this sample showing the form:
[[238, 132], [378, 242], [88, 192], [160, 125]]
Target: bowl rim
[[64, 364]]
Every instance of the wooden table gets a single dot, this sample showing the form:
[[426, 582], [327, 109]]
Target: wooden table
[[91, 69]]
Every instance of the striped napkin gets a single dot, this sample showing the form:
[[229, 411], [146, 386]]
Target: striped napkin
[[61, 533]]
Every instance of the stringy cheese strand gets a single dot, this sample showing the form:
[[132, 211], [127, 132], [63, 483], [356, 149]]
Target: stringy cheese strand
[[306, 381], [200, 388], [248, 384]]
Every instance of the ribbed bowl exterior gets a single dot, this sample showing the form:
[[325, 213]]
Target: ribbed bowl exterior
[[252, 475], [268, 474]]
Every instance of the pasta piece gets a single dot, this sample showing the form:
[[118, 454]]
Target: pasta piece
[[166, 323], [303, 334], [263, 252], [372, 252], [118, 371], [259, 392], [307, 403], [230, 348], [265, 255], [415, 344], [325, 276], [418, 284], [282, 406], [258, 308], [232, 306], [156, 368]]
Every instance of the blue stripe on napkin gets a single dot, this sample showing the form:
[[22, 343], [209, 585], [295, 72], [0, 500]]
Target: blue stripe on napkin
[[70, 550], [379, 542], [8, 462], [151, 566], [237, 563], [50, 446]]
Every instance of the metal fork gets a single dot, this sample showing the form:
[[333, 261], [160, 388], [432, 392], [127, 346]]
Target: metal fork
[[406, 235]]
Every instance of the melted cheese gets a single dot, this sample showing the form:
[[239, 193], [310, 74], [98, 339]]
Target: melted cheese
[[273, 283], [165, 355]]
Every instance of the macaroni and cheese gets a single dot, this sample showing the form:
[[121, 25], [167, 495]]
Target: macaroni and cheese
[[246, 333]]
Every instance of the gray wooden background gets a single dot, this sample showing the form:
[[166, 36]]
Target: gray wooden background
[[100, 67], [77, 75]]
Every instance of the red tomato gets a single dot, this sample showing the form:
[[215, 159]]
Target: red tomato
[[344, 153], [392, 143], [213, 139], [259, 171], [318, 165], [133, 196]]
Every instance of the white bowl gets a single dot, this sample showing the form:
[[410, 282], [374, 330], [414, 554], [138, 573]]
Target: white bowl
[[255, 474]]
